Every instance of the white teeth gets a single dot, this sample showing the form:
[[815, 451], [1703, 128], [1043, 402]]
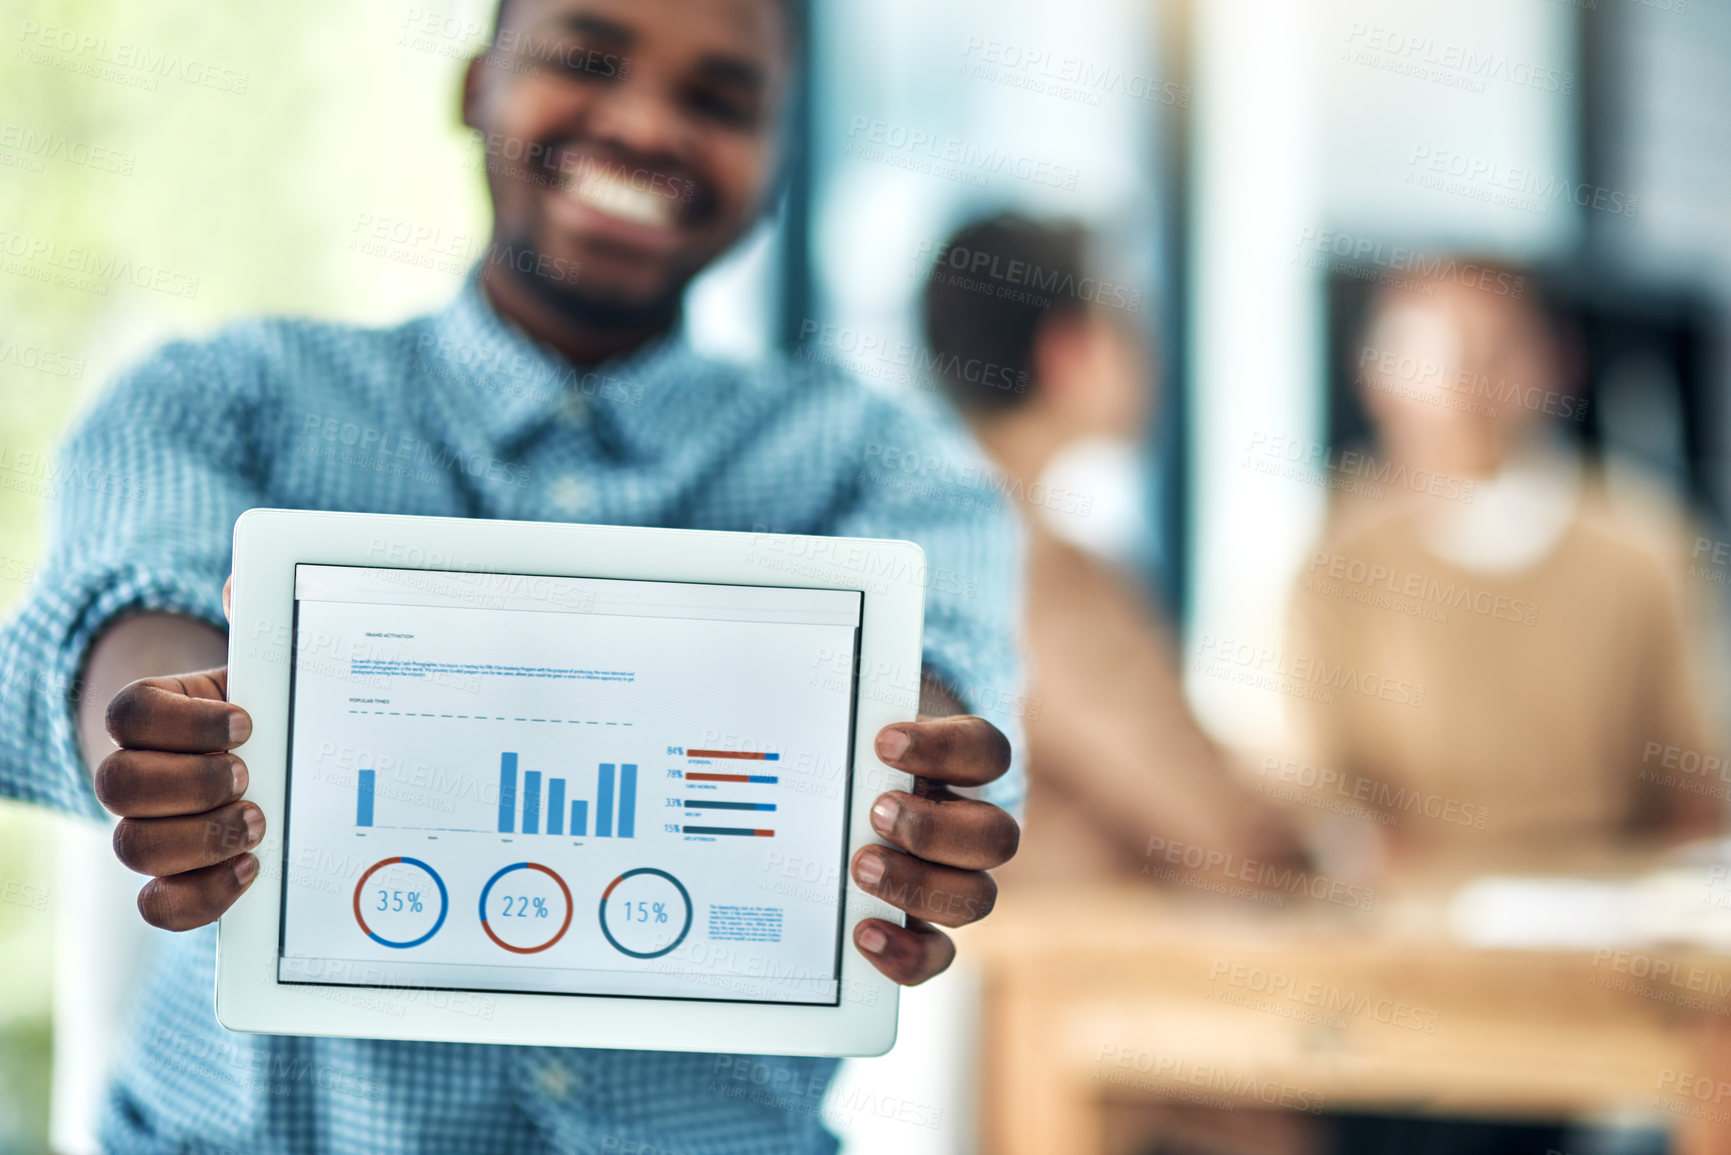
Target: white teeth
[[610, 194]]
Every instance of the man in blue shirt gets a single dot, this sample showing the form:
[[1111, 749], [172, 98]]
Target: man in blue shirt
[[630, 143]]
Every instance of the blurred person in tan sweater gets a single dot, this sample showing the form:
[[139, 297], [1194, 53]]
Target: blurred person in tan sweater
[[1544, 612], [1039, 357]]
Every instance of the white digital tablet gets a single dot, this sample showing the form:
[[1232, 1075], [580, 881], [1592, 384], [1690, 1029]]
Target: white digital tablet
[[564, 785]]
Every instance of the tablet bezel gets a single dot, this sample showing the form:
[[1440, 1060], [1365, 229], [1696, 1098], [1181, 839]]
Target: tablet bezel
[[270, 543]]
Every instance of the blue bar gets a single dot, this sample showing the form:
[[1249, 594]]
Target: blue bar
[[555, 806], [531, 802], [702, 804], [364, 799], [604, 802], [627, 799], [579, 817], [772, 757], [766, 778], [507, 793]]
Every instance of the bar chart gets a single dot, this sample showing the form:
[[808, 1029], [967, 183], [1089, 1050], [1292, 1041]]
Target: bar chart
[[520, 810], [536, 803]]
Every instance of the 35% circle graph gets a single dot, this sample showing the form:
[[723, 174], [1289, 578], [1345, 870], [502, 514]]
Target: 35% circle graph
[[400, 902]]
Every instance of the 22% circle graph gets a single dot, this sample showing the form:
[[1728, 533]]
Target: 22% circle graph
[[525, 907]]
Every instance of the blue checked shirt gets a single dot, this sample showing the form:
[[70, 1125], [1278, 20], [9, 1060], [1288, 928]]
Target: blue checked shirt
[[458, 413]]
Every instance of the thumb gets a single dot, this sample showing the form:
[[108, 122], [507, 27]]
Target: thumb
[[228, 598]]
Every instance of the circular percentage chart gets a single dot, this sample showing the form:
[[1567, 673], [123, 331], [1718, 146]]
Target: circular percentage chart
[[400, 902], [525, 907], [640, 911]]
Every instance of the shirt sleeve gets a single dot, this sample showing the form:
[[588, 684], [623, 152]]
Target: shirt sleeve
[[144, 498], [923, 480]]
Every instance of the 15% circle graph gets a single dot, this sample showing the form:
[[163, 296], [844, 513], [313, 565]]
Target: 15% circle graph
[[645, 913]]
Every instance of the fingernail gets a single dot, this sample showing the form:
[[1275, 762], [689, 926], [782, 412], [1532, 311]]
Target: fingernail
[[884, 814], [870, 869], [872, 940], [892, 744], [239, 726], [254, 824], [239, 777], [244, 868]]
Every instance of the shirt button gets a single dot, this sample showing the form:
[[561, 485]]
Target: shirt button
[[567, 493], [573, 406], [555, 1080]]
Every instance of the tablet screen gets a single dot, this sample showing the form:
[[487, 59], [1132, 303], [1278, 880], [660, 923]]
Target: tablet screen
[[503, 782]]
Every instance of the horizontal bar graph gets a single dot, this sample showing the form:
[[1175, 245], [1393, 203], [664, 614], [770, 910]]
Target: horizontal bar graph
[[718, 804], [741, 831], [705, 776], [748, 754]]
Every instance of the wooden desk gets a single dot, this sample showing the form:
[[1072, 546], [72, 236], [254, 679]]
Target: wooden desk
[[1099, 995]]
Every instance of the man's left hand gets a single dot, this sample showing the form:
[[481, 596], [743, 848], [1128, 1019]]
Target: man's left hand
[[950, 842]]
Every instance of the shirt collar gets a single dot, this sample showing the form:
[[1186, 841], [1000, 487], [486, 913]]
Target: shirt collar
[[499, 382]]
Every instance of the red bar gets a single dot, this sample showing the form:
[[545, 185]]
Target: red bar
[[698, 776], [723, 754]]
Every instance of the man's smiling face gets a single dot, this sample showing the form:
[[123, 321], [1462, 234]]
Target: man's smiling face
[[632, 141]]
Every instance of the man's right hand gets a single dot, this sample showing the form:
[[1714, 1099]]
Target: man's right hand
[[178, 792]]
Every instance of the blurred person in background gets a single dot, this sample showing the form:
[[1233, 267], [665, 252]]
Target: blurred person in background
[[1538, 615], [1029, 348]]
